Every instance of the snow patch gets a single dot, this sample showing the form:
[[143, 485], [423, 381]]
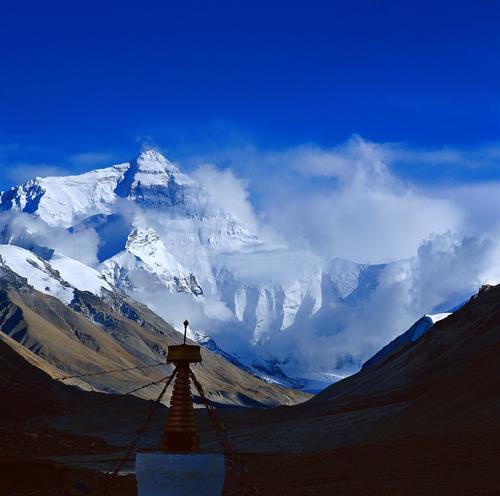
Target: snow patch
[[79, 275], [37, 271]]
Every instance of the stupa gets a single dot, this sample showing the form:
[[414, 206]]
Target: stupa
[[178, 468]]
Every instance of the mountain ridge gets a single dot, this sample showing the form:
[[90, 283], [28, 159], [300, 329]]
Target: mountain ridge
[[162, 237], [107, 331]]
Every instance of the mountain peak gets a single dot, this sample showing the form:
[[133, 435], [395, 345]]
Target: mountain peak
[[153, 161], [153, 180]]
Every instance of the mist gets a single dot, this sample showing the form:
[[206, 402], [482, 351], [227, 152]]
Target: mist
[[306, 207]]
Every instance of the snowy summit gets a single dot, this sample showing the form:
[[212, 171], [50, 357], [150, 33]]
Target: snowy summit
[[147, 228]]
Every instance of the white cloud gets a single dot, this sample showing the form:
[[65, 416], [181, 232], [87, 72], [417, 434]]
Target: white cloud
[[27, 231], [465, 158], [480, 204], [227, 191], [348, 202], [363, 225], [446, 271], [356, 162], [365, 214]]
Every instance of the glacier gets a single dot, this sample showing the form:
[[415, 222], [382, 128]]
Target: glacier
[[150, 230]]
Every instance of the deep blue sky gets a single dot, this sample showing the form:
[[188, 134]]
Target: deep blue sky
[[192, 77]]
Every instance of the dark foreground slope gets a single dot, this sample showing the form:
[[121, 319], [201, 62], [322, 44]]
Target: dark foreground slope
[[448, 381], [27, 393], [424, 420]]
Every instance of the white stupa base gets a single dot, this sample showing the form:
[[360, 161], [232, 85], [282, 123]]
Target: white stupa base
[[179, 474]]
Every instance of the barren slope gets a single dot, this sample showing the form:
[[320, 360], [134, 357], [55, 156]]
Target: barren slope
[[96, 335]]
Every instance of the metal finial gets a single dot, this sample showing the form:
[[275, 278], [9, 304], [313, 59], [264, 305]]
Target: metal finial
[[186, 323]]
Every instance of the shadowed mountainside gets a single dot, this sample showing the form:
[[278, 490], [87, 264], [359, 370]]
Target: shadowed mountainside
[[447, 381], [423, 420]]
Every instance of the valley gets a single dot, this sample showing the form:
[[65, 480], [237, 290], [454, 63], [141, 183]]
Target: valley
[[312, 379], [414, 422]]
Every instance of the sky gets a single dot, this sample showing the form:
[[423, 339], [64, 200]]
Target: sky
[[382, 117], [367, 130], [86, 84]]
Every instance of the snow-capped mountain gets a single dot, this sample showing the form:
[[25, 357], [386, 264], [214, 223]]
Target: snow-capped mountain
[[149, 229], [160, 221], [145, 252], [74, 322], [418, 329], [157, 233], [59, 278]]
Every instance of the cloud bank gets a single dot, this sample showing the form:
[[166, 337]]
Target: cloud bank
[[32, 233], [438, 243], [345, 201], [228, 192]]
